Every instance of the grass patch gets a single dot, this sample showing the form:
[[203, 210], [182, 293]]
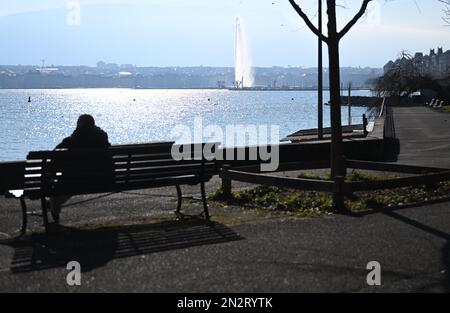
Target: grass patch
[[274, 199], [314, 203], [446, 108], [308, 175], [353, 176]]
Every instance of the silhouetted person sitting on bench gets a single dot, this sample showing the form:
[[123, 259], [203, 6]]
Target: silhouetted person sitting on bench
[[86, 136]]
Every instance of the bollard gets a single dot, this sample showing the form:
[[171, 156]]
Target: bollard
[[365, 124], [349, 104]]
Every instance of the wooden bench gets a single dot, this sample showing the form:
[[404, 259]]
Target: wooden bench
[[115, 169], [11, 175]]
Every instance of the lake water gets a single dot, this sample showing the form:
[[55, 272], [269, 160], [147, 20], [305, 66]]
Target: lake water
[[131, 116]]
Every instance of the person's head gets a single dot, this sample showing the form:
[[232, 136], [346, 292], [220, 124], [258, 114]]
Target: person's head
[[85, 121]]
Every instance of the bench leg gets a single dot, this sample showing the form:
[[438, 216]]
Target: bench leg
[[24, 216], [205, 205], [179, 196], [44, 214]]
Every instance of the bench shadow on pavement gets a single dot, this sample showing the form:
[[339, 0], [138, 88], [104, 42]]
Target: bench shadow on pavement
[[94, 248]]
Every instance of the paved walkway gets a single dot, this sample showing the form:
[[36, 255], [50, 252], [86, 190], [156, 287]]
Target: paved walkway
[[424, 136], [255, 254]]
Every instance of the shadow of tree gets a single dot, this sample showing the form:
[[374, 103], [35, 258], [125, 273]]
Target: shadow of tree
[[96, 247], [438, 233], [446, 261], [391, 212]]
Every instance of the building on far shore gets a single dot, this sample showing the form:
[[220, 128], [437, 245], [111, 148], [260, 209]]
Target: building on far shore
[[437, 65]]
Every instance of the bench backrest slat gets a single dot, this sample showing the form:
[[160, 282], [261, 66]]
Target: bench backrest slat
[[115, 168]]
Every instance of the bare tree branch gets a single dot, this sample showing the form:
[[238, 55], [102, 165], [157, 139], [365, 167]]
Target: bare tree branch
[[446, 17], [307, 21], [355, 19]]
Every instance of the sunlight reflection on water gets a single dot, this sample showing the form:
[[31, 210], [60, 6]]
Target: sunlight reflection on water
[[130, 115]]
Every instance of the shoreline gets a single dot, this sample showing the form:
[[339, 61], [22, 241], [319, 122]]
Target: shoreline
[[184, 88]]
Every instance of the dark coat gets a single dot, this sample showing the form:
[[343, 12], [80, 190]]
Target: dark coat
[[91, 137], [95, 169]]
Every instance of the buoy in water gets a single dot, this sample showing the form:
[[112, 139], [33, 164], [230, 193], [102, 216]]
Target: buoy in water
[[29, 99]]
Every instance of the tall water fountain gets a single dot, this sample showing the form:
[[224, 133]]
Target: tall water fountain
[[243, 76]]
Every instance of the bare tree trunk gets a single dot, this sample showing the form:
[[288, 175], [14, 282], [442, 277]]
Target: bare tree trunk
[[337, 152], [338, 167]]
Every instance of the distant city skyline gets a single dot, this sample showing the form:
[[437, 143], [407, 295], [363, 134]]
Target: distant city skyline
[[44, 65], [127, 76], [200, 32]]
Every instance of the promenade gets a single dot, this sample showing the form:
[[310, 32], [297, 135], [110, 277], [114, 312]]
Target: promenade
[[244, 251], [424, 136]]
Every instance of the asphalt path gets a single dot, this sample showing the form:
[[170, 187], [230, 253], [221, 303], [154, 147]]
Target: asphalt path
[[130, 242], [424, 136]]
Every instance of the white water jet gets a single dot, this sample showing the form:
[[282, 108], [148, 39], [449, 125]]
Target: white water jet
[[243, 75]]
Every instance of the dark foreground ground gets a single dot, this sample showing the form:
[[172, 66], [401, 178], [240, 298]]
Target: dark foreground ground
[[243, 251]]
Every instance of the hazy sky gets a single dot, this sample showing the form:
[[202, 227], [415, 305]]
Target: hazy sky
[[201, 32]]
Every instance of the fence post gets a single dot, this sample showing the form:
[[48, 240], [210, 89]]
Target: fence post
[[226, 183]]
